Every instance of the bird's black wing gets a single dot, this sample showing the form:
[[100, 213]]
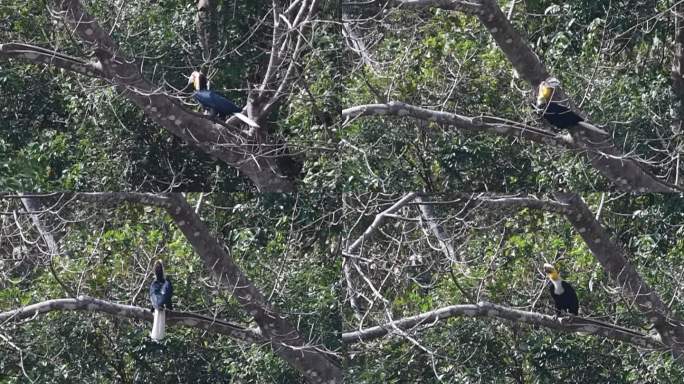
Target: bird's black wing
[[216, 102], [560, 115], [155, 294], [571, 299], [166, 293]]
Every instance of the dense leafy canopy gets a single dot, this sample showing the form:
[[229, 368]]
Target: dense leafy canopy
[[498, 257], [357, 103], [284, 244], [614, 59]]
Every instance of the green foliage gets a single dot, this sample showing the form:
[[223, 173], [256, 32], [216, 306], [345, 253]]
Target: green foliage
[[282, 243], [499, 258], [610, 58], [61, 131]]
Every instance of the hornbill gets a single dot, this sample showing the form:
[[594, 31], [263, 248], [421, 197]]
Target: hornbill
[[557, 112], [562, 293], [215, 103], [161, 291]]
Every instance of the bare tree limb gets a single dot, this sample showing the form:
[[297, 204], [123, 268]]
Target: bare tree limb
[[677, 76], [205, 22], [33, 207], [254, 158], [90, 304], [379, 221], [627, 174], [472, 124], [41, 55], [436, 228], [488, 310], [516, 202], [287, 341], [613, 259]]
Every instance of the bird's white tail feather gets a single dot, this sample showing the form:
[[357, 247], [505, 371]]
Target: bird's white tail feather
[[247, 120], [158, 325]]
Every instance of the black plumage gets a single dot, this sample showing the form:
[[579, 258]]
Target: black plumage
[[566, 301], [161, 292], [556, 111], [560, 116], [215, 103], [552, 109]]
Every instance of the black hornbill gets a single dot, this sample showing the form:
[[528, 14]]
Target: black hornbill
[[556, 112], [215, 103], [562, 293], [161, 291]]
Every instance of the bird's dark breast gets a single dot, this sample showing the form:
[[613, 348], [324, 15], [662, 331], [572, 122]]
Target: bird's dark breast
[[560, 116]]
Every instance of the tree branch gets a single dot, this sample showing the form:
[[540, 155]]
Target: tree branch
[[613, 259], [288, 343], [625, 173], [253, 156], [379, 221], [488, 310], [473, 124], [90, 304], [518, 202], [33, 207], [39, 55]]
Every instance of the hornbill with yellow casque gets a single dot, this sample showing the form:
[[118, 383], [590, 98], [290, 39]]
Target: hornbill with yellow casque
[[161, 291], [556, 111], [563, 294], [215, 103]]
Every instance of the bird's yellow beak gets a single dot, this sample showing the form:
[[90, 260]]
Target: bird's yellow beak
[[551, 272]]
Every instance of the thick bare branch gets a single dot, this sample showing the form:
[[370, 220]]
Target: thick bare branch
[[40, 55], [315, 365], [255, 157], [518, 202], [613, 259], [206, 26], [627, 174], [452, 5], [471, 124], [90, 304], [436, 228], [488, 310], [677, 76]]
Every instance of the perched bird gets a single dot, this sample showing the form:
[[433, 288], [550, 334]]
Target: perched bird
[[562, 293], [557, 112], [161, 291], [554, 112], [215, 103]]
